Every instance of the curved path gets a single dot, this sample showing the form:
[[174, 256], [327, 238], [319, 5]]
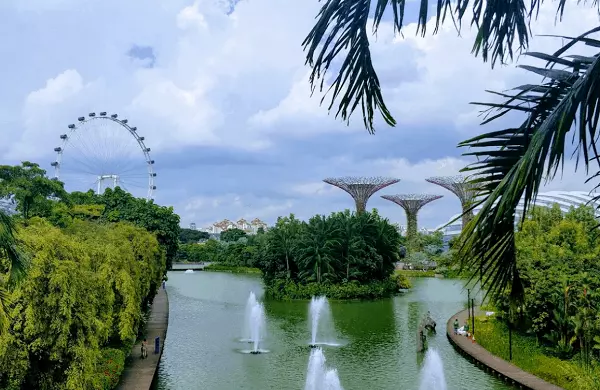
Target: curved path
[[139, 374], [491, 363]]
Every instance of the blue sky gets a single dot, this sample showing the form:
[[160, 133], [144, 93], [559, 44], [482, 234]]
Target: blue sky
[[221, 95]]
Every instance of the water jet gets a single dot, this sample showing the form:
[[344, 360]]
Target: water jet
[[321, 327], [318, 376], [432, 374]]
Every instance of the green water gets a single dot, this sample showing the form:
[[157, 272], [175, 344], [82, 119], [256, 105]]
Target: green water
[[378, 338]]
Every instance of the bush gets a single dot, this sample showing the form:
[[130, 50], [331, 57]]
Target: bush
[[219, 267], [411, 273], [402, 281], [110, 367], [492, 335], [281, 289]]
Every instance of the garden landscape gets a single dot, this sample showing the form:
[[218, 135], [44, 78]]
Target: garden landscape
[[454, 244]]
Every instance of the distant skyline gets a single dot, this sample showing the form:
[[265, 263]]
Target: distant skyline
[[219, 90]]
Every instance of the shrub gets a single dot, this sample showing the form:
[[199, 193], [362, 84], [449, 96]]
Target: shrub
[[492, 335], [110, 367], [219, 267], [281, 289]]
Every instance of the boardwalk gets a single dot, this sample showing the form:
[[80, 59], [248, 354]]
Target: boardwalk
[[139, 374], [482, 357]]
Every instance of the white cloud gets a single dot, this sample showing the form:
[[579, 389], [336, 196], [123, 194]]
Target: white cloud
[[239, 82], [56, 90]]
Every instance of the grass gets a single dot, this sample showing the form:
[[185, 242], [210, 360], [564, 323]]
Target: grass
[[216, 267], [409, 273], [531, 357]]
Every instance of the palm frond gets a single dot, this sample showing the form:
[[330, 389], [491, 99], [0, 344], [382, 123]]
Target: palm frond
[[341, 31], [9, 248], [512, 163]]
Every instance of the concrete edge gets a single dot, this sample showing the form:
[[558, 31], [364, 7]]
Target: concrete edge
[[492, 364], [164, 340]]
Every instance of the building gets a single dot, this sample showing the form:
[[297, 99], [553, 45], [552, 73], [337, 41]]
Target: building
[[193, 226], [564, 199], [242, 224]]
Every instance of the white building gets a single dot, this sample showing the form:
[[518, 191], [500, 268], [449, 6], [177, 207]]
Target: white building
[[564, 199]]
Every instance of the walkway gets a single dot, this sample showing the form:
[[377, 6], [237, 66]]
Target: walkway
[[138, 375], [497, 366]]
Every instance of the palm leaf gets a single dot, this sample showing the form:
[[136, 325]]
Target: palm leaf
[[8, 248], [512, 163], [341, 32]]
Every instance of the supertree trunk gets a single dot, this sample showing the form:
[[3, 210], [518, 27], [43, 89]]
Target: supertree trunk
[[411, 203]]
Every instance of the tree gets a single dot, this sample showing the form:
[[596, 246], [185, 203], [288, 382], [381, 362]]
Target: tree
[[511, 162], [284, 237], [30, 187], [317, 248], [11, 261], [188, 236], [232, 234], [119, 205], [84, 296]]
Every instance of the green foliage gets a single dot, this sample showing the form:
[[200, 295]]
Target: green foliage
[[13, 264], [557, 260], [335, 251], [343, 249], [119, 205], [189, 236], [402, 280], [529, 355], [31, 188], [220, 267], [85, 292], [110, 367], [409, 273], [232, 235], [288, 290]]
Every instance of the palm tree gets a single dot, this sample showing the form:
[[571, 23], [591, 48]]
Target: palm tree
[[316, 250], [512, 162], [15, 261]]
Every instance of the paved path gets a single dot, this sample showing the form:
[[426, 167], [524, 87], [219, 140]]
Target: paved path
[[139, 374], [497, 366]]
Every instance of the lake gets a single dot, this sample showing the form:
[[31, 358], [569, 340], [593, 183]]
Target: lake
[[378, 338]]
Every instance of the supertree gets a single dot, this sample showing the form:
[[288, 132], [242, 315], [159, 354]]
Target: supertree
[[361, 188], [411, 203], [461, 187]]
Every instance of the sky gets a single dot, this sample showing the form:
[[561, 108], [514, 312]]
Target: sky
[[220, 92]]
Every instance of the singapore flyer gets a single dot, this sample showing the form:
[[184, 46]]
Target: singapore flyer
[[102, 151]]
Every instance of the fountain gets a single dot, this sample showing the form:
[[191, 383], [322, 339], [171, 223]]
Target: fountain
[[432, 375], [319, 377], [257, 326], [189, 271], [250, 303], [320, 322]]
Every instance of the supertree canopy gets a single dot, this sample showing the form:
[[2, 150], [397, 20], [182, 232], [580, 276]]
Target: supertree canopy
[[361, 188], [411, 203], [461, 187]]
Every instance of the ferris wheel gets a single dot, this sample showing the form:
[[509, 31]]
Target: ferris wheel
[[102, 151]]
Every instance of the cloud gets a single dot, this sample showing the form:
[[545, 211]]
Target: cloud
[[220, 92]]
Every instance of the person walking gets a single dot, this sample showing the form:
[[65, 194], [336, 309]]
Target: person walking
[[144, 349], [456, 324]]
